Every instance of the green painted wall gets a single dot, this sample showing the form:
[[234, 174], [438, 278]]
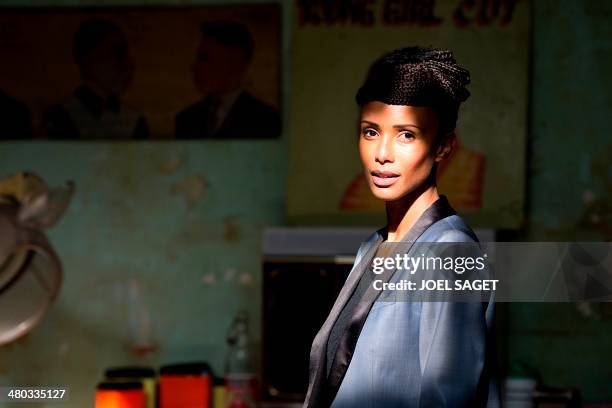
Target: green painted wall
[[570, 188], [141, 244]]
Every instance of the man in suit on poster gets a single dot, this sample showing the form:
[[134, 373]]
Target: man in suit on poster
[[95, 110], [15, 119], [226, 111]]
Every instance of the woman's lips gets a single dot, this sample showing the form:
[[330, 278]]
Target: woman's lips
[[383, 178]]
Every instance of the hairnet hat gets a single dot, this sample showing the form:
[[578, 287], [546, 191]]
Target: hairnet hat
[[416, 76]]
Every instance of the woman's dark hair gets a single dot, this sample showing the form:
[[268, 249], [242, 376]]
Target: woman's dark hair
[[418, 76]]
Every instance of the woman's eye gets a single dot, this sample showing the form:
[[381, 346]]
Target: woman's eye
[[406, 136], [368, 132]]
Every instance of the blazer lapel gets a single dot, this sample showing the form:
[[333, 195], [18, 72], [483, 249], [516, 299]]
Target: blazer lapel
[[318, 354], [438, 210]]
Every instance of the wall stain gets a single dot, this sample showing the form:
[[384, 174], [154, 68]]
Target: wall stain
[[231, 229], [192, 189], [171, 166]]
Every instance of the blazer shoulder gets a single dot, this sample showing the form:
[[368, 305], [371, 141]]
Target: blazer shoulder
[[449, 229], [367, 244]]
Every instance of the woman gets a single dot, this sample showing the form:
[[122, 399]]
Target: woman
[[371, 353]]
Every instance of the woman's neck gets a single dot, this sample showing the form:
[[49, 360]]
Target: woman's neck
[[403, 213]]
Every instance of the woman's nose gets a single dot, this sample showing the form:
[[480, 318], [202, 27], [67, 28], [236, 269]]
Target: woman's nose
[[384, 150]]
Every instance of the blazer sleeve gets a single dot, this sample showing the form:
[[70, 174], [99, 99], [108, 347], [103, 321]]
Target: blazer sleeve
[[457, 350]]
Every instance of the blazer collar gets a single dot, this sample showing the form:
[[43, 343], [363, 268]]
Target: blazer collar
[[322, 391]]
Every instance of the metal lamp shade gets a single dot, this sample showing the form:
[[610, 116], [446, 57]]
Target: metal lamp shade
[[30, 276]]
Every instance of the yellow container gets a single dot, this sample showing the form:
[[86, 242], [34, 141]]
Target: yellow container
[[219, 395]]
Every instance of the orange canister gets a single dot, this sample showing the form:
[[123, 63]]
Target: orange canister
[[144, 375], [120, 395]]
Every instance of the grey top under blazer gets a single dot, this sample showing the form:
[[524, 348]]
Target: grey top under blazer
[[407, 354]]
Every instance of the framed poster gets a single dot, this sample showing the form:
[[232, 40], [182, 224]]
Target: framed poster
[[201, 72]]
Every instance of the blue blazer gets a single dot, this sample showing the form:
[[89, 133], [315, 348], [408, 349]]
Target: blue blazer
[[408, 354]]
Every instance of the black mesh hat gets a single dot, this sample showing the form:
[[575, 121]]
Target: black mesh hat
[[418, 76], [415, 76]]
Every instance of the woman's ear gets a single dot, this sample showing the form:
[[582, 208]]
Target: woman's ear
[[446, 146]]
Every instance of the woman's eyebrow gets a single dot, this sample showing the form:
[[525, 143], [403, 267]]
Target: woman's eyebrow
[[407, 125], [373, 124]]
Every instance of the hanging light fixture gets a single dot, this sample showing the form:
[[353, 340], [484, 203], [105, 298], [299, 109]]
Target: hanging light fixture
[[30, 270]]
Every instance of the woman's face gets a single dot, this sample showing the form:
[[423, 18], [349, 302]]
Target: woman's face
[[397, 146]]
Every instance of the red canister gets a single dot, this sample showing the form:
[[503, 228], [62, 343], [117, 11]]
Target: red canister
[[185, 385]]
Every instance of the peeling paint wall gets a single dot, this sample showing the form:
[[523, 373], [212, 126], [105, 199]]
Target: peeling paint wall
[[160, 248]]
